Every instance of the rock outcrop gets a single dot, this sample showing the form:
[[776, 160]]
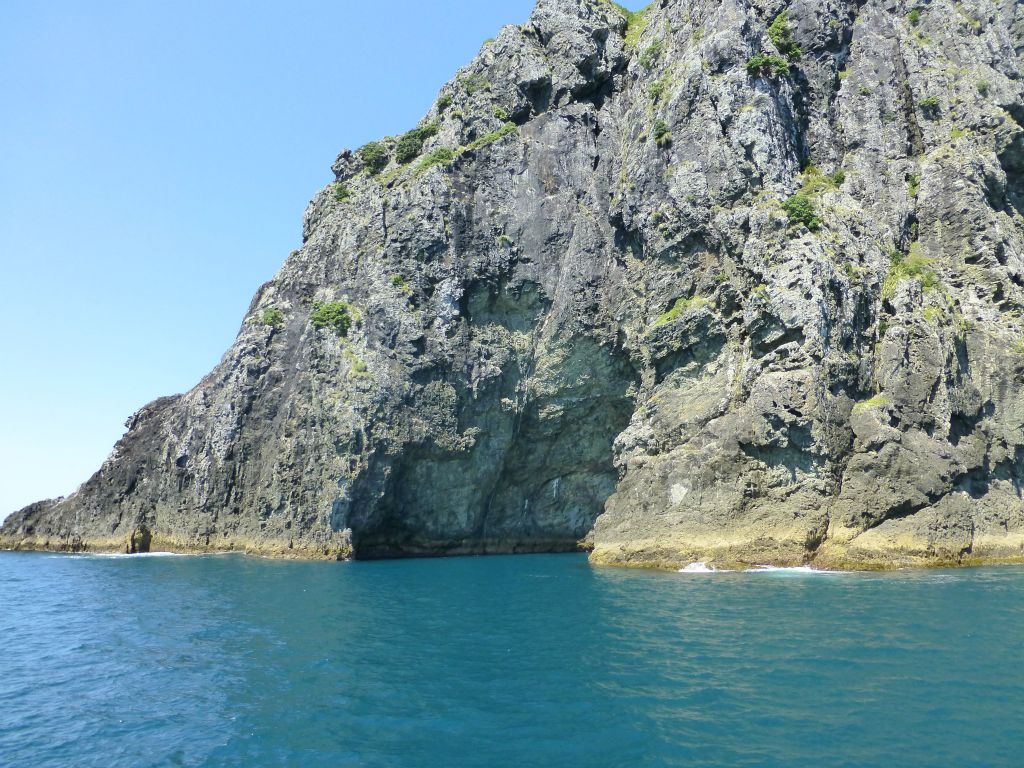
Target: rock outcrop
[[736, 281]]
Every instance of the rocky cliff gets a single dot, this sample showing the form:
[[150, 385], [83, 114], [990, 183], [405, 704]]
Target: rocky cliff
[[736, 281]]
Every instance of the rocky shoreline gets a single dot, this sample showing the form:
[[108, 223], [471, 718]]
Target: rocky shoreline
[[654, 556]]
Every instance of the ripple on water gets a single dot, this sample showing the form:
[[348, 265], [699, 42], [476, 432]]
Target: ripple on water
[[502, 661]]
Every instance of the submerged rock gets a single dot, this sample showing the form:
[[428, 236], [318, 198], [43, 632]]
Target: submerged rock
[[725, 282]]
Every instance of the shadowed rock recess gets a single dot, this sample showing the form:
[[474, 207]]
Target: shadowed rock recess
[[723, 281]]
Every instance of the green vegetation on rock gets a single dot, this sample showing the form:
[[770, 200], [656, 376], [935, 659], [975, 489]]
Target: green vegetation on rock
[[336, 315], [933, 314], [878, 401], [657, 89], [652, 55], [411, 144], [474, 83], [399, 282], [763, 64], [341, 193], [781, 35], [490, 138], [440, 156], [930, 107], [912, 266], [678, 308], [801, 210], [374, 156], [636, 23], [816, 182], [357, 366], [272, 317], [661, 134]]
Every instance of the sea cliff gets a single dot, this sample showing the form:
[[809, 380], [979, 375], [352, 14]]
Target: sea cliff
[[722, 281]]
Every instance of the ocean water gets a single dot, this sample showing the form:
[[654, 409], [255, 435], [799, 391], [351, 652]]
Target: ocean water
[[503, 661]]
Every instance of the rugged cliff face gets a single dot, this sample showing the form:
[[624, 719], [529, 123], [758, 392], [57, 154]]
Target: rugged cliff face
[[724, 280]]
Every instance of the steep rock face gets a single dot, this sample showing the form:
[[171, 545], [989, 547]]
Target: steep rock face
[[725, 281]]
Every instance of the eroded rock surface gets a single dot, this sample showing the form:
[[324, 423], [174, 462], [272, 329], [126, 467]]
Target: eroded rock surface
[[639, 290]]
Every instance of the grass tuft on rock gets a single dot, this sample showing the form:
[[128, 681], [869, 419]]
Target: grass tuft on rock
[[440, 156], [652, 55], [661, 134], [878, 401], [912, 266], [491, 137], [474, 83], [930, 107], [816, 182], [680, 307]]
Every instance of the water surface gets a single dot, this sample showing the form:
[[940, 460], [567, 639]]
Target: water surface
[[502, 661]]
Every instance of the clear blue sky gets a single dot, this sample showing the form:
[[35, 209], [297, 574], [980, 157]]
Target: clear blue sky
[[155, 160]]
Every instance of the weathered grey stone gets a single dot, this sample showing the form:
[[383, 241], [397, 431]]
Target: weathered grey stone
[[597, 325]]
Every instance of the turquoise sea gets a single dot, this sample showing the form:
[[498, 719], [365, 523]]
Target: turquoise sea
[[502, 661]]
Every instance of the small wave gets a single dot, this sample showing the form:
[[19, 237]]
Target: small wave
[[791, 569], [702, 567], [698, 568]]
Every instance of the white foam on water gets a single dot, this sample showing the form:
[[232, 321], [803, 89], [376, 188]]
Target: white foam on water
[[791, 569], [698, 568], [702, 567]]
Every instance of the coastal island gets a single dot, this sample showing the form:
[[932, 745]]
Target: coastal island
[[729, 282]]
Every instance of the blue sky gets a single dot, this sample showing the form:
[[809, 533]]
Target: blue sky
[[155, 160]]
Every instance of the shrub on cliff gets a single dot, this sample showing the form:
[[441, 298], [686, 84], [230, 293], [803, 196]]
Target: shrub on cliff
[[763, 64], [374, 156], [662, 135], [272, 317], [800, 210], [781, 35], [411, 143], [334, 314]]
